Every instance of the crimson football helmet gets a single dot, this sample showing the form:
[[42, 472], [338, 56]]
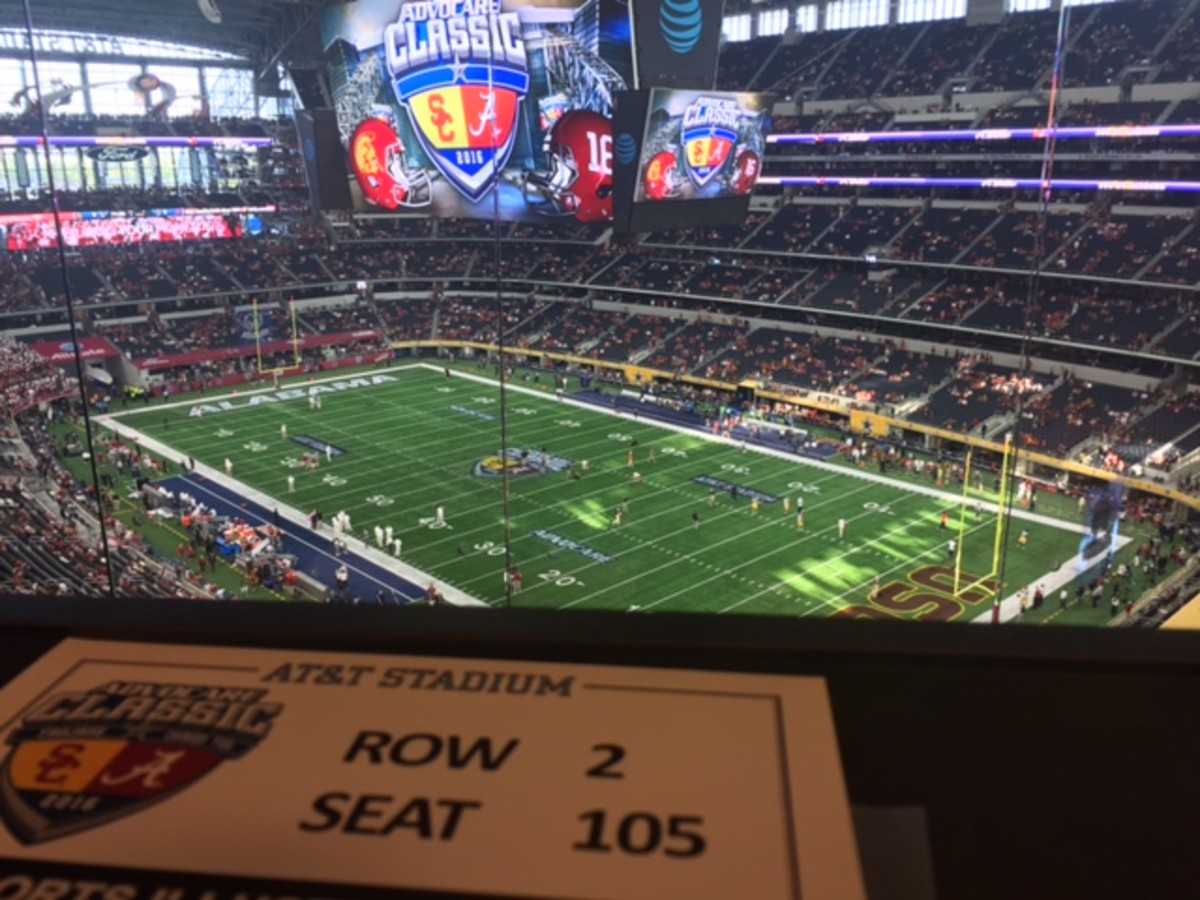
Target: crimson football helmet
[[661, 179], [579, 179], [382, 168], [746, 166]]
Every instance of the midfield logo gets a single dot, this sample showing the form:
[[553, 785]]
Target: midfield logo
[[459, 68], [710, 131], [80, 760], [520, 462]]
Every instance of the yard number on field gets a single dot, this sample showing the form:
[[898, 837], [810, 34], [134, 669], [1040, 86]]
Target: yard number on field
[[559, 579], [804, 487]]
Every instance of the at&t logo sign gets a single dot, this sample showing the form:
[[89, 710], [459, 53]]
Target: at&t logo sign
[[681, 22]]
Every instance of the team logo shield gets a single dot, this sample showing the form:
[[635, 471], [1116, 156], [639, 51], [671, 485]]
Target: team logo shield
[[710, 132], [82, 760], [706, 148], [464, 119]]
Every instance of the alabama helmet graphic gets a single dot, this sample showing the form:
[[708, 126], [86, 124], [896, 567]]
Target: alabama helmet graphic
[[578, 181], [746, 167]]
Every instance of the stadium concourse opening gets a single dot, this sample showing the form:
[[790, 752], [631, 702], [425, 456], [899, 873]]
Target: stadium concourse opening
[[391, 349]]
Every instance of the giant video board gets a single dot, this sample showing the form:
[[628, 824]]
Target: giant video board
[[701, 145], [479, 107], [687, 159]]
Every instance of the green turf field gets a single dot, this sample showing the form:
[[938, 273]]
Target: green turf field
[[415, 439]]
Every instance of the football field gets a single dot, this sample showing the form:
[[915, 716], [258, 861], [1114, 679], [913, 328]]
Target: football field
[[606, 511]]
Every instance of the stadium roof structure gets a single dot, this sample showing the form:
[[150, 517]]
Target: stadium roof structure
[[262, 31]]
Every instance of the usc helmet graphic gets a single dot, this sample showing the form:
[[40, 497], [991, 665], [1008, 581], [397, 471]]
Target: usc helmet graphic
[[661, 179], [383, 170], [579, 179]]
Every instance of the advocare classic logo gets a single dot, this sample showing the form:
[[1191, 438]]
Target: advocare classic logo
[[710, 130], [80, 760], [439, 54], [520, 462]]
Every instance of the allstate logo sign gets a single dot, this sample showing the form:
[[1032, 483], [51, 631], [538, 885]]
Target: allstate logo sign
[[626, 148], [681, 22]]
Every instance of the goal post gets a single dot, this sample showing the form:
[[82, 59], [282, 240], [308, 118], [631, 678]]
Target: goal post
[[975, 582], [294, 325]]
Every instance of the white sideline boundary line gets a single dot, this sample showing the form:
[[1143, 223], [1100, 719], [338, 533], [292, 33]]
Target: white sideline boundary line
[[287, 512]]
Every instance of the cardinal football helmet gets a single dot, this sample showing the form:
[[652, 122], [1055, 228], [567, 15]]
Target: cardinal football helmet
[[383, 170], [746, 166], [578, 181], [661, 178]]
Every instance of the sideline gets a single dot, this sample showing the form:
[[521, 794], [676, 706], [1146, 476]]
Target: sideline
[[290, 514]]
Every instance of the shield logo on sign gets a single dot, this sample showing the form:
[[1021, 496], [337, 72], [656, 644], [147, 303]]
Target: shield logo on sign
[[706, 148], [53, 788], [79, 762], [465, 117]]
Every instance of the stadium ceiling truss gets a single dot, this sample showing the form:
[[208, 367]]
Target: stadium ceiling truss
[[264, 32], [581, 75]]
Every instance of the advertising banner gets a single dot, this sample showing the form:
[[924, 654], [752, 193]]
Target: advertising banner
[[237, 351], [677, 42], [63, 352]]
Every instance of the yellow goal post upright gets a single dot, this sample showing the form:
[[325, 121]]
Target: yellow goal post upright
[[976, 581], [295, 341]]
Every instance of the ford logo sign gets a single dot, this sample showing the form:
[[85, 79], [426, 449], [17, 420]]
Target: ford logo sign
[[117, 154]]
